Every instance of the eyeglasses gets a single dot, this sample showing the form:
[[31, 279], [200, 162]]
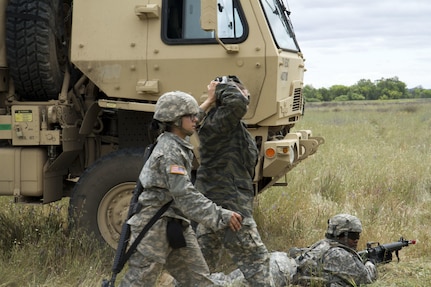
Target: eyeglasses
[[353, 235], [191, 116]]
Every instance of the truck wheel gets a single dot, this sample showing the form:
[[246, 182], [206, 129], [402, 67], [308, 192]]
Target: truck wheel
[[36, 47], [100, 200]]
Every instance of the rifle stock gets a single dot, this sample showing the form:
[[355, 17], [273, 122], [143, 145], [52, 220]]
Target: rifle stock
[[123, 242], [382, 253]]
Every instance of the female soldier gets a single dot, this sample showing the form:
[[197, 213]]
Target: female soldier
[[165, 177]]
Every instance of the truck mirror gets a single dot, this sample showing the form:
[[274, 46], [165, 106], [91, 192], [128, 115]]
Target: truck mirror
[[209, 15]]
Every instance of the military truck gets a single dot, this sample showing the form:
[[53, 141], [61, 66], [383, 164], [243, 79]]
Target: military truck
[[79, 81]]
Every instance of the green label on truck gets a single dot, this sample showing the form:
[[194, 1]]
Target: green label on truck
[[5, 127]]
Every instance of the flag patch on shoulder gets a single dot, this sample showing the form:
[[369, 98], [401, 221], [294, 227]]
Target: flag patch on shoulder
[[177, 169]]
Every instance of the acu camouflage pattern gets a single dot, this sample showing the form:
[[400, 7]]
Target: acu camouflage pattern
[[173, 105], [187, 264], [331, 264], [225, 175], [245, 247], [340, 223], [282, 270]]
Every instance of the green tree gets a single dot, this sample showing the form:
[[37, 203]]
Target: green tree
[[324, 95], [353, 96], [310, 94], [338, 91], [341, 98], [391, 88], [420, 93], [426, 94], [366, 88]]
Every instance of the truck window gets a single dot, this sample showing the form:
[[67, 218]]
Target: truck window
[[278, 19], [181, 22]]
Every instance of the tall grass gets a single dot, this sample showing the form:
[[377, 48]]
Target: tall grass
[[37, 249], [374, 164]]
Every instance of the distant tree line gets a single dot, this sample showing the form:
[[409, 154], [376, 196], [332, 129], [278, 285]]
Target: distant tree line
[[383, 89]]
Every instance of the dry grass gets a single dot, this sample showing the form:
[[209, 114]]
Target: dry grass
[[36, 248], [375, 164]]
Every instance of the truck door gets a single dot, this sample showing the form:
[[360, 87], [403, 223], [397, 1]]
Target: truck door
[[182, 56], [109, 44]]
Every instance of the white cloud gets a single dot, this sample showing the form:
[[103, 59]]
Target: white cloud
[[345, 41]]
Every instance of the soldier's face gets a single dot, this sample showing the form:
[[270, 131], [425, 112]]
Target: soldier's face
[[352, 243], [353, 239], [188, 124]]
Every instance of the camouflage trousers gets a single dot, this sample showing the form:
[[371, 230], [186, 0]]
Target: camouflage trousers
[[245, 247], [186, 265]]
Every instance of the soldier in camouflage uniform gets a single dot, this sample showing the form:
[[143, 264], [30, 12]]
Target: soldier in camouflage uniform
[[333, 261], [228, 158], [165, 176]]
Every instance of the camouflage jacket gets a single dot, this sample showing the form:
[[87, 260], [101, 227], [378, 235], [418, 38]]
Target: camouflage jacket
[[228, 153], [165, 176], [333, 264]]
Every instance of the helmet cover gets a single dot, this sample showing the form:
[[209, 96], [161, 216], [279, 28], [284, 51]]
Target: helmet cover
[[341, 223], [173, 105]]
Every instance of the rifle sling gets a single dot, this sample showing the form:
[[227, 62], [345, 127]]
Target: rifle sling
[[144, 231]]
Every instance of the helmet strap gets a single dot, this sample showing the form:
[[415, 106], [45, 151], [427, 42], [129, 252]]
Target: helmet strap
[[344, 238], [179, 124]]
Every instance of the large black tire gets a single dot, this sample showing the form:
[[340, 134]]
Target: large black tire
[[101, 198], [36, 46]]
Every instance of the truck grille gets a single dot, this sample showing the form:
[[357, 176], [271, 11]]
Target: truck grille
[[297, 100]]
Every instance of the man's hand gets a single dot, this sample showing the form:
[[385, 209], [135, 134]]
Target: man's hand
[[211, 96], [235, 221], [211, 90]]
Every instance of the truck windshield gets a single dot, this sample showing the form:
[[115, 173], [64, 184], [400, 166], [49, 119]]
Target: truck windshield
[[278, 18]]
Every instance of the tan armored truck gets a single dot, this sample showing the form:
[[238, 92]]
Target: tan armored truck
[[79, 81]]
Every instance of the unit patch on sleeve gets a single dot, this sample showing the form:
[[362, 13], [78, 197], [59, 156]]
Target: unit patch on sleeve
[[178, 169]]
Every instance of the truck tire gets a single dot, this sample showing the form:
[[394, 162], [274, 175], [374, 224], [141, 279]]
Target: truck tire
[[36, 47], [100, 200]]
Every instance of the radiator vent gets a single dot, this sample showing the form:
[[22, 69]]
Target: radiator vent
[[297, 100]]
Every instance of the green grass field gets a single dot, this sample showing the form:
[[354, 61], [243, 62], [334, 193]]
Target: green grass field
[[374, 164]]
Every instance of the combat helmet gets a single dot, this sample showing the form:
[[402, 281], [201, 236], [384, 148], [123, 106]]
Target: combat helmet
[[172, 106], [342, 223]]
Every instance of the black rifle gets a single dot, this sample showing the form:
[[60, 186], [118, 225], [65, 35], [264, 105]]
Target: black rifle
[[123, 254], [380, 254]]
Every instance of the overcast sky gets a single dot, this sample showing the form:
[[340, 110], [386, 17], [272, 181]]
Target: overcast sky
[[344, 41]]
